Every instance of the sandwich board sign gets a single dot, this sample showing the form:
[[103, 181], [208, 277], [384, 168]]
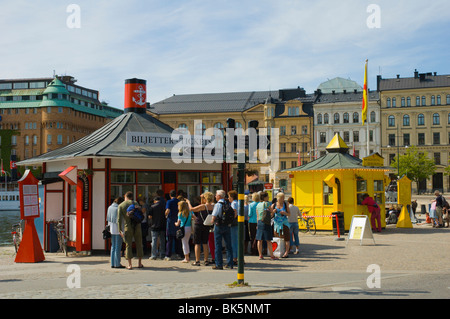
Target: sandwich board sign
[[360, 228]]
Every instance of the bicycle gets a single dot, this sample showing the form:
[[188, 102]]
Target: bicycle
[[307, 224], [17, 232], [61, 234]]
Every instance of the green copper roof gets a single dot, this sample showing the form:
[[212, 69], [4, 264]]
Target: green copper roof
[[56, 86], [330, 161], [339, 85]]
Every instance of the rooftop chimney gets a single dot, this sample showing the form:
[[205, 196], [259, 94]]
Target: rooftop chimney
[[135, 95]]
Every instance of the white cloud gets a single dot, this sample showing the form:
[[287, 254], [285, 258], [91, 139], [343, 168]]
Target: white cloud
[[202, 46]]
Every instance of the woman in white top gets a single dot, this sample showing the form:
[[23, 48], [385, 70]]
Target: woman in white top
[[116, 239]]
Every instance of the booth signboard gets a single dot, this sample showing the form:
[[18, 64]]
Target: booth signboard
[[29, 196], [30, 249], [360, 228]]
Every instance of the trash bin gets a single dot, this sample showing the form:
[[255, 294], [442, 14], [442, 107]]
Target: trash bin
[[341, 225], [52, 239]]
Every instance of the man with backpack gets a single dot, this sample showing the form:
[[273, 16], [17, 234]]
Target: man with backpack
[[222, 229], [129, 229]]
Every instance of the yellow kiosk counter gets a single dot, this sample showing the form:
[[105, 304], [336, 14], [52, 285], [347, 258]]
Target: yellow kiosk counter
[[336, 182]]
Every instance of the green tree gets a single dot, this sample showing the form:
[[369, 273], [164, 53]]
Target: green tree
[[416, 165]]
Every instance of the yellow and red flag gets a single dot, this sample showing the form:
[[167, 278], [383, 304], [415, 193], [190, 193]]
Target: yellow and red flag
[[365, 102]]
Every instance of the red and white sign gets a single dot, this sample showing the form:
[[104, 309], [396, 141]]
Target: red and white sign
[[70, 175], [268, 186], [29, 196]]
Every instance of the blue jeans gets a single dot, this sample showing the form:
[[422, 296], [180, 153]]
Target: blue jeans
[[116, 245], [293, 228], [161, 234], [223, 232]]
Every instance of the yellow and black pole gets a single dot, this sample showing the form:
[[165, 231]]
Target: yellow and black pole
[[241, 220]]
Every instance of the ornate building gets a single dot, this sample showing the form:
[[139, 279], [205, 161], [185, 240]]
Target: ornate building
[[41, 114], [289, 110], [416, 111]]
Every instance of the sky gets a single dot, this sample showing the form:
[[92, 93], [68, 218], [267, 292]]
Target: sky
[[199, 46]]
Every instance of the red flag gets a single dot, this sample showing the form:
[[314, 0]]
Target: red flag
[[3, 171], [354, 151], [299, 160]]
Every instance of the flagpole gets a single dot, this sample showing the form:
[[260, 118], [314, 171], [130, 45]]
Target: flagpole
[[367, 105]]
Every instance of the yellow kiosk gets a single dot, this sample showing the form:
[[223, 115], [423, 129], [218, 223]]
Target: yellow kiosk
[[336, 182]]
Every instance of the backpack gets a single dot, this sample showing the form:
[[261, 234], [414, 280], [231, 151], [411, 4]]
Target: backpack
[[136, 215], [227, 214], [444, 202]]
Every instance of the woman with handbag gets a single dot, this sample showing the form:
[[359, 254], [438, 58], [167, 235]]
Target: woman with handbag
[[281, 222], [184, 222], [201, 227], [264, 228]]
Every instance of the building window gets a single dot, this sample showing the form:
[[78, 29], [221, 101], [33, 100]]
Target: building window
[[433, 100], [438, 100], [391, 121], [421, 119], [293, 147], [14, 140], [417, 100], [346, 136], [421, 139], [436, 120], [391, 139], [373, 117], [424, 101], [304, 129], [49, 139], [448, 99], [388, 102], [394, 102], [408, 101], [405, 120], [34, 139], [437, 158], [346, 118], [27, 140], [282, 130], [436, 138], [403, 103], [355, 136], [59, 139], [293, 130], [325, 118], [319, 118], [371, 137], [336, 118], [283, 164], [282, 147], [406, 139], [323, 137], [355, 117]]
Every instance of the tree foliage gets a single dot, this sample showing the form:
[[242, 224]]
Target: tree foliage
[[415, 165]]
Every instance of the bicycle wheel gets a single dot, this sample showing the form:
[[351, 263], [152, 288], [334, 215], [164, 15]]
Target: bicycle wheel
[[312, 225], [302, 226]]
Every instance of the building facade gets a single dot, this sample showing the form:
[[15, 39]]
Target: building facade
[[416, 111], [289, 110], [42, 114], [338, 109]]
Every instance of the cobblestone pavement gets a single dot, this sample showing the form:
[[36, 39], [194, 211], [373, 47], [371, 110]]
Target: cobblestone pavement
[[322, 261]]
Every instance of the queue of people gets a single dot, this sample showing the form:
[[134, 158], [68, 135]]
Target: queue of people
[[203, 220]]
